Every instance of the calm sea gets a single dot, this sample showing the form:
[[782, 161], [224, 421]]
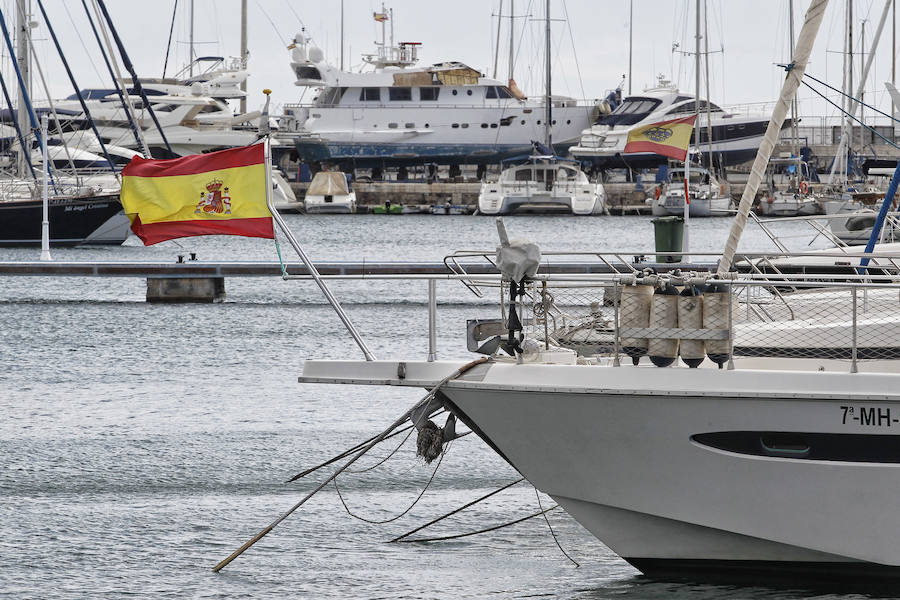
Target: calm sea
[[140, 444]]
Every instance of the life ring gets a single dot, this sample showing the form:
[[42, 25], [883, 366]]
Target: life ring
[[656, 193], [804, 187]]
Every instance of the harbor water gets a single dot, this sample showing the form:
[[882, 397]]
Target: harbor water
[[143, 443]]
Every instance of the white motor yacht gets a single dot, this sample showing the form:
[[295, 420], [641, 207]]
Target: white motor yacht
[[399, 113], [329, 193], [735, 136]]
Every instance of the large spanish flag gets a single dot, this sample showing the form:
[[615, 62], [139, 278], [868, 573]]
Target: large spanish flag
[[668, 138], [217, 193]]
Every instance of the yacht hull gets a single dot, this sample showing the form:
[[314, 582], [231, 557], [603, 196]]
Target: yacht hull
[[667, 479], [365, 155]]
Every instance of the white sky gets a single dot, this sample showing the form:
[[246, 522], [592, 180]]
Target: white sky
[[753, 34]]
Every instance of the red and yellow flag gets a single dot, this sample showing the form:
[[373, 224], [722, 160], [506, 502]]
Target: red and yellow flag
[[380, 16], [668, 138], [220, 193]]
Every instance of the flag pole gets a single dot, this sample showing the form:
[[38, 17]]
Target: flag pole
[[299, 249]]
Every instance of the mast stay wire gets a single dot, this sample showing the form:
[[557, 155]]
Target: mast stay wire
[[852, 117], [271, 22]]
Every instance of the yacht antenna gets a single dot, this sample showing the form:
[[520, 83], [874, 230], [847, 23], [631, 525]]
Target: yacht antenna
[[548, 113]]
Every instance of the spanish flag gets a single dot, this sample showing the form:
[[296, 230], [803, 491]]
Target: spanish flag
[[380, 16], [668, 138], [208, 194]]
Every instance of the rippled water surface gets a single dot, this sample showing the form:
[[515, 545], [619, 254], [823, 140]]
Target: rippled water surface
[[140, 444]]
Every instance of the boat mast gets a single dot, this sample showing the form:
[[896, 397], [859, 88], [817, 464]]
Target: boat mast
[[808, 32], [630, 45], [497, 44], [548, 113], [24, 60], [191, 44], [245, 56], [795, 149], [342, 32], [512, 36], [709, 153]]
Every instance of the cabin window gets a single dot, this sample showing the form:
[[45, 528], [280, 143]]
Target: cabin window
[[539, 122], [523, 175], [370, 94], [410, 125], [493, 126], [484, 125], [455, 126], [392, 126], [491, 92], [455, 92], [568, 121], [330, 96], [400, 94], [523, 121], [553, 122], [427, 125], [465, 125], [503, 92], [468, 92], [429, 93]]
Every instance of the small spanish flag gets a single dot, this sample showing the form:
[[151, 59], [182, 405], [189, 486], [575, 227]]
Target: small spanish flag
[[380, 17], [667, 138], [220, 193]]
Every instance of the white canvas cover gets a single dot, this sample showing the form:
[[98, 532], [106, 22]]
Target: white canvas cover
[[328, 183]]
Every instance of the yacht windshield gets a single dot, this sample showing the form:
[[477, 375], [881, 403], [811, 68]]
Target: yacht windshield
[[631, 111]]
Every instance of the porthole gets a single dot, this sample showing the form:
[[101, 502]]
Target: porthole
[[539, 122], [493, 126], [455, 126], [465, 125], [484, 125], [523, 121], [410, 125], [427, 125], [455, 92], [468, 92], [553, 122], [392, 126], [568, 121]]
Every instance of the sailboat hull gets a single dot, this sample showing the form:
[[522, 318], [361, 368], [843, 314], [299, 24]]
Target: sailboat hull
[[687, 478], [73, 221]]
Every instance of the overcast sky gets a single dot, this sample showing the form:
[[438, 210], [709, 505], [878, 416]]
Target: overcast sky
[[590, 41]]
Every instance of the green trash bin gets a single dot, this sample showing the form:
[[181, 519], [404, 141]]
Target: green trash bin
[[668, 233]]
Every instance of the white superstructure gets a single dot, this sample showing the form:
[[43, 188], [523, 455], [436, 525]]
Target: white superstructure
[[398, 113]]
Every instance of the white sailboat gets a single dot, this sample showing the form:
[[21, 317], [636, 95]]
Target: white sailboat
[[775, 468]]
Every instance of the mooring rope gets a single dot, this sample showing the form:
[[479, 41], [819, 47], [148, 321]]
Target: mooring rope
[[409, 508], [406, 415], [550, 527], [480, 531], [460, 509]]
